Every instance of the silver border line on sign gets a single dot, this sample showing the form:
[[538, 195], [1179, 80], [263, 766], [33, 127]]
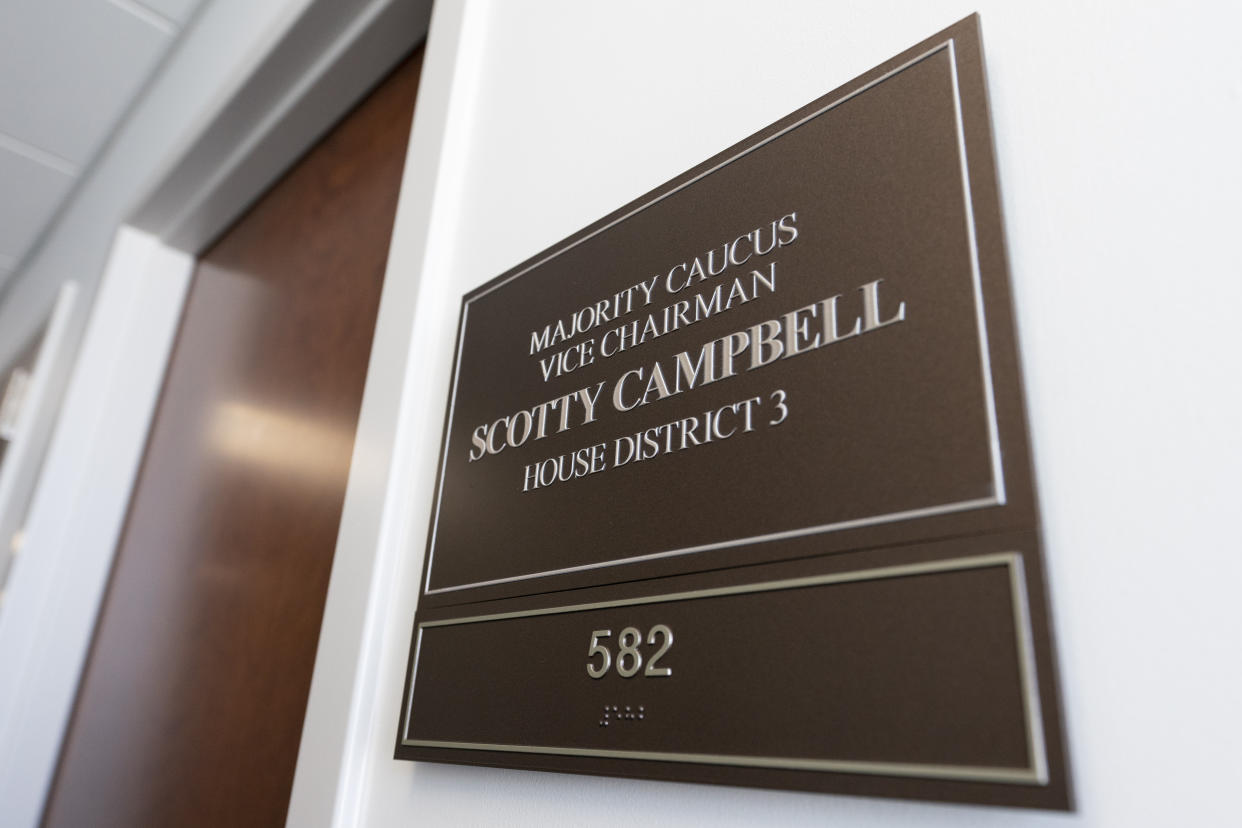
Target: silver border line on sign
[[1035, 773], [998, 479]]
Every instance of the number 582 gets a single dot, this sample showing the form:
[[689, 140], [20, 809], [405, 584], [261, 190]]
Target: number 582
[[629, 658]]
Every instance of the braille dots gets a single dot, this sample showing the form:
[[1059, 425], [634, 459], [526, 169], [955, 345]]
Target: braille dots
[[615, 713]]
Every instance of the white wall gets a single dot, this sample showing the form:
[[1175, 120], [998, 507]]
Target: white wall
[[1117, 127]]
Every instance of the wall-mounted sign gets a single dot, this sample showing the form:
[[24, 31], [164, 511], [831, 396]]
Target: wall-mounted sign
[[735, 484]]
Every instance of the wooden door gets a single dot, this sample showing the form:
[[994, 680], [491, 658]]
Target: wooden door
[[191, 703]]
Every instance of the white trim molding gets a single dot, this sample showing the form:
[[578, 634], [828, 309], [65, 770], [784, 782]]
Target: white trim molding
[[75, 517]]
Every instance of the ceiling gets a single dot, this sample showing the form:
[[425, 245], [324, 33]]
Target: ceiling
[[69, 70]]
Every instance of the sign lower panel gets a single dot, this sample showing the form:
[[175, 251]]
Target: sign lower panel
[[885, 698]]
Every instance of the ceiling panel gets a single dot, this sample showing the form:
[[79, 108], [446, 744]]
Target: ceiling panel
[[29, 194], [69, 68], [178, 11]]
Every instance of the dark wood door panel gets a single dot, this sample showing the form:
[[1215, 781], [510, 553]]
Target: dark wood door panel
[[191, 705]]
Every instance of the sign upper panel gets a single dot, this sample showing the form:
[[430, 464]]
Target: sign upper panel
[[791, 342]]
